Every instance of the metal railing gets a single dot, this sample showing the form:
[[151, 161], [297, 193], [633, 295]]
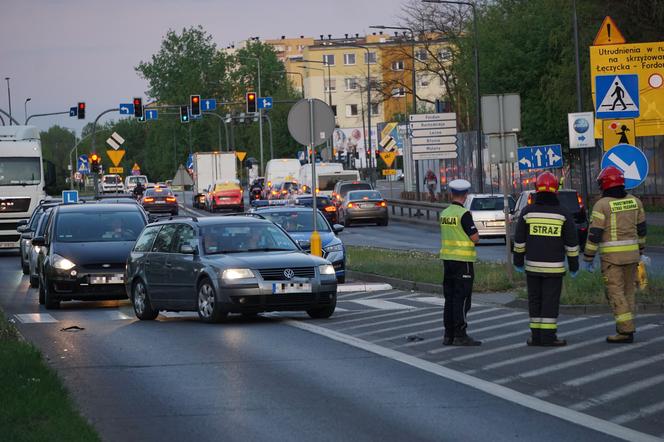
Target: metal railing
[[416, 209]]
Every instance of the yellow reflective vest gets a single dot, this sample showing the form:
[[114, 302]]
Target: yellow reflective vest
[[455, 244]]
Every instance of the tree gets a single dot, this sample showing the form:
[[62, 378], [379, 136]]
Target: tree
[[57, 142]]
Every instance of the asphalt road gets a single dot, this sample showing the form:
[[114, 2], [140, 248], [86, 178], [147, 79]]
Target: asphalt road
[[265, 379]]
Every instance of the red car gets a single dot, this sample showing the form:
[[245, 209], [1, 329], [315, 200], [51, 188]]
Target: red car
[[160, 199], [225, 195]]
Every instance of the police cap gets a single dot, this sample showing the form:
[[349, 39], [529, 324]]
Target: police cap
[[459, 186]]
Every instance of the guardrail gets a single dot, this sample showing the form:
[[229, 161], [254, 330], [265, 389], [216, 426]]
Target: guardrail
[[416, 209]]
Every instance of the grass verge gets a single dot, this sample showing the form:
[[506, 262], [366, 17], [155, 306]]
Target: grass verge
[[425, 267], [35, 405]]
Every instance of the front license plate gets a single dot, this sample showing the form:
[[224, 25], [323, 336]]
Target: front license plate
[[7, 245], [291, 287], [107, 279], [495, 224]]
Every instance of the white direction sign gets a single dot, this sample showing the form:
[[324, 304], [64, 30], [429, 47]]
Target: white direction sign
[[580, 126], [115, 141], [434, 132], [433, 125], [435, 148], [433, 140], [435, 156], [449, 116]]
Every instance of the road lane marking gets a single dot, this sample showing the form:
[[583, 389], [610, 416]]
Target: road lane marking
[[437, 320], [539, 405], [618, 393], [35, 318], [369, 315], [389, 321], [362, 287], [382, 304], [430, 300], [639, 414]]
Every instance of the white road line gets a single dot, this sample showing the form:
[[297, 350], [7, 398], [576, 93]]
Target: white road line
[[390, 321], [116, 315], [618, 393], [35, 318], [596, 376], [370, 315], [382, 305], [583, 360], [639, 414], [438, 320], [343, 296], [430, 300], [362, 287], [499, 391]]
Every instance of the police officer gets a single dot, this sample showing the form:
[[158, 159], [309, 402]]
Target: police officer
[[545, 233], [618, 231], [458, 238]]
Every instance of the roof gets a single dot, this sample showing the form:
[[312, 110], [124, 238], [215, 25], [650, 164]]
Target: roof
[[283, 208], [214, 220], [99, 207]]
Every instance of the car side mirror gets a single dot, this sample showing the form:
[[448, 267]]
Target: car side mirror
[[39, 241], [337, 228], [187, 249], [26, 235], [21, 222], [512, 211], [22, 229], [304, 244]]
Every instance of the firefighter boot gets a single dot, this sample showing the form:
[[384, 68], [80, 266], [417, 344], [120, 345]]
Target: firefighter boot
[[620, 338], [535, 337]]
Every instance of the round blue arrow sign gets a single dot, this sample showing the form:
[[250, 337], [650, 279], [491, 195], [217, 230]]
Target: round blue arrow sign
[[631, 160]]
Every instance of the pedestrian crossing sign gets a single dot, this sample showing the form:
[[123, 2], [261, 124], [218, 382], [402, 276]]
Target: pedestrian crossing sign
[[619, 96]]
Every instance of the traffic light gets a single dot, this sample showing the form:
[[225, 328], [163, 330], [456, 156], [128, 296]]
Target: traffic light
[[195, 105], [251, 102], [80, 112], [184, 114], [95, 163], [138, 107]]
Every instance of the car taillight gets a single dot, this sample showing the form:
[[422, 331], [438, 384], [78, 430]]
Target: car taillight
[[579, 199], [381, 204], [350, 205], [284, 191], [530, 198], [330, 209], [148, 200], [170, 199]]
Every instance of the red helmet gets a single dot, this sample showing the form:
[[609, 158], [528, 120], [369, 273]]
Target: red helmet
[[546, 182], [610, 177]]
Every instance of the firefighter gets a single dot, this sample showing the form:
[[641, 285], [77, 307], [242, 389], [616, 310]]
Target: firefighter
[[618, 232], [458, 238], [545, 234]]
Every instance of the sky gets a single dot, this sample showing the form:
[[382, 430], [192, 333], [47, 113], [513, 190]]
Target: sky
[[59, 52]]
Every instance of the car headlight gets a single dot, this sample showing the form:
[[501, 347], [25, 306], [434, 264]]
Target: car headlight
[[37, 249], [233, 274], [61, 263], [334, 248], [326, 269]]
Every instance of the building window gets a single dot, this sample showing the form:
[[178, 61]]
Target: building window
[[423, 82], [351, 84], [399, 92], [445, 54], [334, 109], [397, 65], [422, 55], [351, 110], [328, 59], [369, 58], [330, 85], [375, 109], [349, 59]]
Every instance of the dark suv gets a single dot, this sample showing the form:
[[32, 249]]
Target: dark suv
[[343, 187], [569, 198]]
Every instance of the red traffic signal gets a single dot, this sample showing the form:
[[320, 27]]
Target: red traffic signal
[[138, 107], [95, 162], [251, 102], [80, 112], [195, 105]]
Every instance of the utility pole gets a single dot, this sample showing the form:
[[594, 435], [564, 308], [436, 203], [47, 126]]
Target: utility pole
[[579, 102]]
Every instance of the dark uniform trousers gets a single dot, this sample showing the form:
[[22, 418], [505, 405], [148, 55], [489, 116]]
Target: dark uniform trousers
[[457, 290], [543, 305]]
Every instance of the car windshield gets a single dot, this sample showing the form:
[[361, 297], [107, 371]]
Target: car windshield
[[138, 179], [490, 203], [111, 179], [20, 171], [297, 221], [239, 238], [102, 226], [345, 188], [289, 186], [364, 195]]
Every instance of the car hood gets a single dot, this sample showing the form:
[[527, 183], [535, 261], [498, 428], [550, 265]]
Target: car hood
[[488, 215], [326, 238], [266, 260], [83, 253]]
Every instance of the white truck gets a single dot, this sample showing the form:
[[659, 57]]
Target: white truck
[[327, 181], [22, 180], [321, 169], [209, 168], [281, 170]]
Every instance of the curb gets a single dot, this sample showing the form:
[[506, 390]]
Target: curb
[[394, 282]]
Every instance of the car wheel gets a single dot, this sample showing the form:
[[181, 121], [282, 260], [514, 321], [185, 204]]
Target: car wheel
[[323, 312], [51, 302], [34, 281], [209, 310], [141, 302], [383, 222]]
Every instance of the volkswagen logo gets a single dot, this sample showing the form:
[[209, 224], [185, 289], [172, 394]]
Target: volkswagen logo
[[289, 273]]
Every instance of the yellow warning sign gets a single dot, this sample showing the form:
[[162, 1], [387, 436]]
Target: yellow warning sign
[[135, 167], [388, 157], [115, 156], [609, 34], [618, 132], [118, 170], [387, 142], [240, 155], [389, 172]]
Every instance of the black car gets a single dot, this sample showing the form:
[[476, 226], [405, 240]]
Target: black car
[[84, 251], [323, 203], [569, 198], [226, 264], [160, 200], [27, 229]]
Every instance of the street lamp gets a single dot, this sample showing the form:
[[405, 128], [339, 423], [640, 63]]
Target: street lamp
[[260, 113], [25, 107], [478, 105], [329, 79], [9, 99], [315, 69], [293, 73]]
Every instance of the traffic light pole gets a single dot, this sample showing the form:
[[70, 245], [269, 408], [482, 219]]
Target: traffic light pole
[[95, 176], [260, 116], [44, 115]]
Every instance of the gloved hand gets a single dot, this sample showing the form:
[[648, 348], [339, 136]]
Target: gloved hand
[[573, 274], [519, 269], [589, 266]]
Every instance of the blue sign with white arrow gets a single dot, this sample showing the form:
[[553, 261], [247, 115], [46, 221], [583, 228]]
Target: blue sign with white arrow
[[540, 157], [265, 103], [70, 196], [151, 114], [83, 164], [190, 162], [631, 160], [617, 96], [73, 111], [126, 108], [208, 104]]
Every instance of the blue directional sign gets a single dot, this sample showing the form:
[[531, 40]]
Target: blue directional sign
[[631, 160], [151, 114], [70, 196], [208, 104], [83, 165], [73, 111], [617, 96], [265, 102], [540, 157], [126, 108], [190, 162]]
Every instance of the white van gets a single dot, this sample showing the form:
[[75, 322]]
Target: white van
[[110, 183], [132, 180], [321, 169], [280, 170]]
